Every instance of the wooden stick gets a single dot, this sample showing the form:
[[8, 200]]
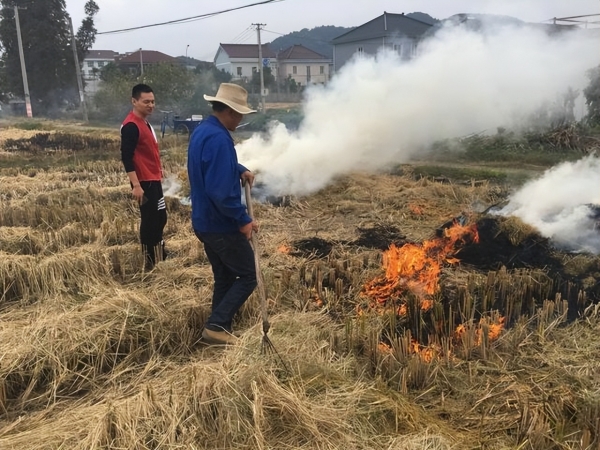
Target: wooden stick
[[259, 278]]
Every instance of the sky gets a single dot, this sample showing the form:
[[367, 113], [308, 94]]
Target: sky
[[201, 38]]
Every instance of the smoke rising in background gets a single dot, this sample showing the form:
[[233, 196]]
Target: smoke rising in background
[[563, 205], [377, 112]]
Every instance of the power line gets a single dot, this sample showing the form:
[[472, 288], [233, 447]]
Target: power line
[[189, 19], [572, 19], [274, 32], [243, 37], [576, 17], [245, 31]]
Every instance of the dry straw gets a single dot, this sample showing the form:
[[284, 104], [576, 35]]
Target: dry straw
[[97, 353]]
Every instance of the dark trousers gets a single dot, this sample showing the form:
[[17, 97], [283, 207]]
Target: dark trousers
[[153, 214], [232, 261]]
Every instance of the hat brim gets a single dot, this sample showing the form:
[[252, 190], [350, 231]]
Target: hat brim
[[235, 106]]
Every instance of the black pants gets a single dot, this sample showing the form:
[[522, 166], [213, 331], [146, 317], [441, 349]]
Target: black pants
[[232, 261], [153, 214]]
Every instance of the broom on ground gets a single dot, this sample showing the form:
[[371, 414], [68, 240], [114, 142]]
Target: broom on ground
[[266, 345]]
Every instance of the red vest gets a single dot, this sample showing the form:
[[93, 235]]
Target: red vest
[[146, 158]]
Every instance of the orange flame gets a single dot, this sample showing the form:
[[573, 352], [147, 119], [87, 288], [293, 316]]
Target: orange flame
[[416, 209], [285, 249], [416, 268], [494, 330]]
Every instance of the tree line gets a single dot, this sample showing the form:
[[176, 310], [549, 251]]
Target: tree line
[[48, 52]]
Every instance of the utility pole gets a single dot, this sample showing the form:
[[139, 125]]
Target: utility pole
[[84, 111], [23, 69], [141, 63], [260, 66]]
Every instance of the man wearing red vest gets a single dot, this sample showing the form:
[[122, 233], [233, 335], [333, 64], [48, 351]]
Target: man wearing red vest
[[141, 159]]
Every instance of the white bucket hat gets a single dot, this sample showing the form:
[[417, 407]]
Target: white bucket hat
[[234, 96]]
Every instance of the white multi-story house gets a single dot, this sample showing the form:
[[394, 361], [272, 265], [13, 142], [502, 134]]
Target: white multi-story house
[[305, 66], [241, 60], [93, 63]]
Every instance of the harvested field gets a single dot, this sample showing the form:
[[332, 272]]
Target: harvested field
[[499, 350]]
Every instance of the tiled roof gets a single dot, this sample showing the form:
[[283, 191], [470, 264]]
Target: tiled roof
[[299, 52], [385, 25], [101, 54], [147, 57], [247, 50]]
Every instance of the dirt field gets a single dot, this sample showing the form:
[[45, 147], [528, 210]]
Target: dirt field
[[503, 353], [283, 105]]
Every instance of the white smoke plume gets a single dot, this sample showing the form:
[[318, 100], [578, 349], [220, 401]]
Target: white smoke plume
[[561, 205], [171, 186], [381, 111]]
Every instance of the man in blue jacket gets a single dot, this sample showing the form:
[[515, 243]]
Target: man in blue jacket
[[219, 218]]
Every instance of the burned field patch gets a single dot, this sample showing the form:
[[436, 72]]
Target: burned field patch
[[312, 247], [60, 141], [380, 236], [497, 248]]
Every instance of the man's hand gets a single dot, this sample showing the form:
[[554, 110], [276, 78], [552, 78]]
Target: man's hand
[[247, 229], [247, 177], [137, 193]]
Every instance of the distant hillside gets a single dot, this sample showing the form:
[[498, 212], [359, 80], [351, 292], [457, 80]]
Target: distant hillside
[[423, 17], [319, 39]]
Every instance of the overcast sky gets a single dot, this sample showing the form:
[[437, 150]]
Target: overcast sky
[[286, 16]]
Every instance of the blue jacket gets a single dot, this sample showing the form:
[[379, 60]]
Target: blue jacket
[[214, 175]]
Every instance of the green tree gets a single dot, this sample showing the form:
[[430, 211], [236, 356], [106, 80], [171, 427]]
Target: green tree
[[113, 99], [172, 84], [592, 96], [290, 85], [268, 78], [205, 68], [46, 37], [86, 34], [175, 89]]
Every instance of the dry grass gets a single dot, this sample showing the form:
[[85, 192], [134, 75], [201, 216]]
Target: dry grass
[[96, 353]]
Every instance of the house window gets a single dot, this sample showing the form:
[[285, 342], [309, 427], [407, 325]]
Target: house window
[[101, 63], [90, 63], [239, 71], [308, 74], [398, 48], [322, 70], [294, 70], [254, 69], [360, 50]]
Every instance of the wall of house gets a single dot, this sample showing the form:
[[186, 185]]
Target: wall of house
[[240, 69], [88, 66], [300, 72], [342, 53], [222, 62], [90, 76]]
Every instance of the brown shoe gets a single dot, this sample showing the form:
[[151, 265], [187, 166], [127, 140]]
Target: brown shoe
[[218, 337]]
